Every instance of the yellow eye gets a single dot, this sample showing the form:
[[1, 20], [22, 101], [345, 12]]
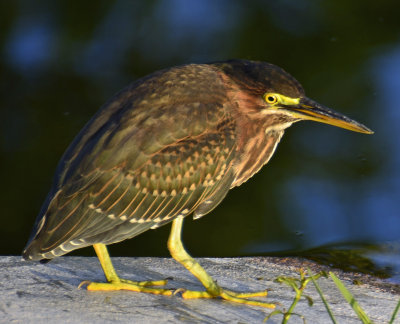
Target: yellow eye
[[270, 98]]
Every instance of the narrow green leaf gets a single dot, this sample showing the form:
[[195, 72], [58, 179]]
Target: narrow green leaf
[[350, 299], [309, 300], [394, 313], [322, 297], [275, 312]]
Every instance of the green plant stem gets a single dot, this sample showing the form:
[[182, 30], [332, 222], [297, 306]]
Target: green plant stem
[[322, 296], [289, 312], [299, 292], [394, 313]]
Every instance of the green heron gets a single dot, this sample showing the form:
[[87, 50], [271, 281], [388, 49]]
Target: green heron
[[169, 145]]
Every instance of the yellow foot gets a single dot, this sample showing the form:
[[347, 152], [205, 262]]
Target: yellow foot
[[122, 284], [145, 283], [231, 296]]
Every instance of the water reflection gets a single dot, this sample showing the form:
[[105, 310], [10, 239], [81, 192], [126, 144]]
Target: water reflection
[[61, 60]]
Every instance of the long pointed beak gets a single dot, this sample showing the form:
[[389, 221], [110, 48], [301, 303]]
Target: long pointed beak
[[308, 109]]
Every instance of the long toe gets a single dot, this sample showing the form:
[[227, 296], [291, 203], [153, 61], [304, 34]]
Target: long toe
[[236, 297], [145, 283], [131, 286]]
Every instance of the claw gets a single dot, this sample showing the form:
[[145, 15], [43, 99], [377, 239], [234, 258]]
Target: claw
[[85, 282]]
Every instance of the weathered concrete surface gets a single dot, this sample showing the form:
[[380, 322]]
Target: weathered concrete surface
[[35, 293]]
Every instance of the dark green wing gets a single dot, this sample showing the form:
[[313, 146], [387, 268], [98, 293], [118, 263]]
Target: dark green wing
[[140, 162]]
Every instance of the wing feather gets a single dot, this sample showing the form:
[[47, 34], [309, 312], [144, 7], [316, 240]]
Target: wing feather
[[132, 169]]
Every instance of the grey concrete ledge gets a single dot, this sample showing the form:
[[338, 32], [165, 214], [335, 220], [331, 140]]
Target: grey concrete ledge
[[35, 293]]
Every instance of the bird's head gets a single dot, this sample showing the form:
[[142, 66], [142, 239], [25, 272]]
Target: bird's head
[[276, 92]]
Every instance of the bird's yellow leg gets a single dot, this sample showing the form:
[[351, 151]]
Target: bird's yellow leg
[[213, 290], [116, 283]]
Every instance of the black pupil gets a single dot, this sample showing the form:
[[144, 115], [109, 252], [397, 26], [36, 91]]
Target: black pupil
[[271, 99]]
